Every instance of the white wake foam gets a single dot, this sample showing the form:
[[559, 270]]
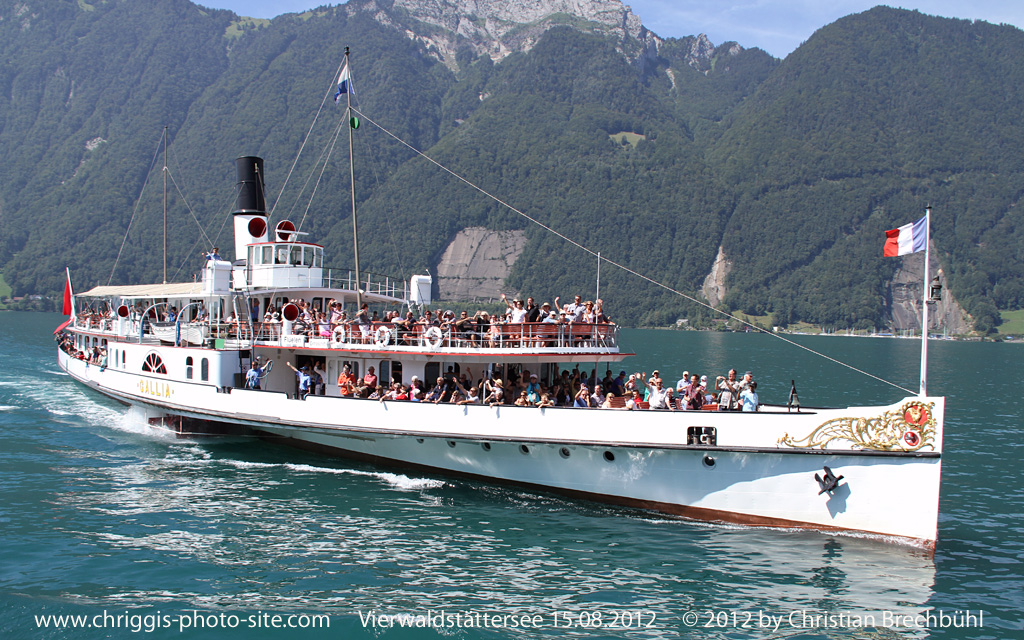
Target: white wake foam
[[399, 481]]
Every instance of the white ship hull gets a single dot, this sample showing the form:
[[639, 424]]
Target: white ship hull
[[758, 469]]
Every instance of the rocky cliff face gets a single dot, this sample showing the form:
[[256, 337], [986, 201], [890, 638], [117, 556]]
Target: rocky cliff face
[[714, 283], [497, 28], [475, 264], [905, 290]]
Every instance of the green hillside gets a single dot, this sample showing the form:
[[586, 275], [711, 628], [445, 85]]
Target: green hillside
[[793, 167]]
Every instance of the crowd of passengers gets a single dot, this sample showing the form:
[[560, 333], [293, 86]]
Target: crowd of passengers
[[96, 355], [481, 327], [571, 389]]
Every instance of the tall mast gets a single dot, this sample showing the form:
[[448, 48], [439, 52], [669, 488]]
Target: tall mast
[[924, 302], [352, 180], [165, 204]]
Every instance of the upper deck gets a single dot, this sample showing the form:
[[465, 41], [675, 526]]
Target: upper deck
[[523, 341]]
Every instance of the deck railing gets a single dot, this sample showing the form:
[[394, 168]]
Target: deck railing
[[528, 336], [386, 335], [373, 283]]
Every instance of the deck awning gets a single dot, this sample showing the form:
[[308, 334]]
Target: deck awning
[[169, 290], [195, 290]]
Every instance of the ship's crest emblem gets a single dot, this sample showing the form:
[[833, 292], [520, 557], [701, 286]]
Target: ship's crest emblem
[[911, 428]]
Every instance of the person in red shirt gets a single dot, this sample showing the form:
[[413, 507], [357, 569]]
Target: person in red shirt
[[370, 379], [346, 381]]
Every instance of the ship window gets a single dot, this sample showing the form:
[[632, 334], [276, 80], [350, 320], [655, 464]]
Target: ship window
[[268, 255], [396, 371], [318, 257], [252, 255], [154, 364], [296, 255], [204, 369], [188, 368], [124, 361], [282, 254]]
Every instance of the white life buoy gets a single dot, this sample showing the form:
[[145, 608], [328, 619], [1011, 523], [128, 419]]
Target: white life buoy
[[432, 337], [382, 336], [339, 334]]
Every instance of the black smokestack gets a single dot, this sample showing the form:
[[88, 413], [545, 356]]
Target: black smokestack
[[249, 170]]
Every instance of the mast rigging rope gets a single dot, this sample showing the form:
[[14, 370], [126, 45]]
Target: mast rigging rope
[[621, 266]]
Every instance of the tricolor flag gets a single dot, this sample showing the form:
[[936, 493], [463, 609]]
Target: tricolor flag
[[344, 83], [910, 238]]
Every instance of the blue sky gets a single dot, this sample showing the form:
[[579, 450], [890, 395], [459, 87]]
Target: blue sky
[[777, 26]]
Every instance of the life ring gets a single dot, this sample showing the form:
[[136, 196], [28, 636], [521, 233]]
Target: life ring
[[433, 337], [339, 334], [382, 336]]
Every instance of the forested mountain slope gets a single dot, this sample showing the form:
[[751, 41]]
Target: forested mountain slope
[[793, 168]]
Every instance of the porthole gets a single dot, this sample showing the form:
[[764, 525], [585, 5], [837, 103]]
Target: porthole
[[419, 440], [609, 456], [523, 449], [708, 462], [451, 443], [564, 452], [486, 446]]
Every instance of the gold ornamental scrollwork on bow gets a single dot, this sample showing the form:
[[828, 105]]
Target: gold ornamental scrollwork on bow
[[911, 428]]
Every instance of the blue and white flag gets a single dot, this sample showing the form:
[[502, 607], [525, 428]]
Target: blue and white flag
[[344, 83]]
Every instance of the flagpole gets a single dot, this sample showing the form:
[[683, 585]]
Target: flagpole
[[352, 179], [165, 205], [924, 302]]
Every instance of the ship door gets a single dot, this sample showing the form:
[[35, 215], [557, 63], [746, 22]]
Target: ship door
[[431, 372]]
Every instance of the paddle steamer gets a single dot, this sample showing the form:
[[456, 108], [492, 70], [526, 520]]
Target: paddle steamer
[[871, 469]]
